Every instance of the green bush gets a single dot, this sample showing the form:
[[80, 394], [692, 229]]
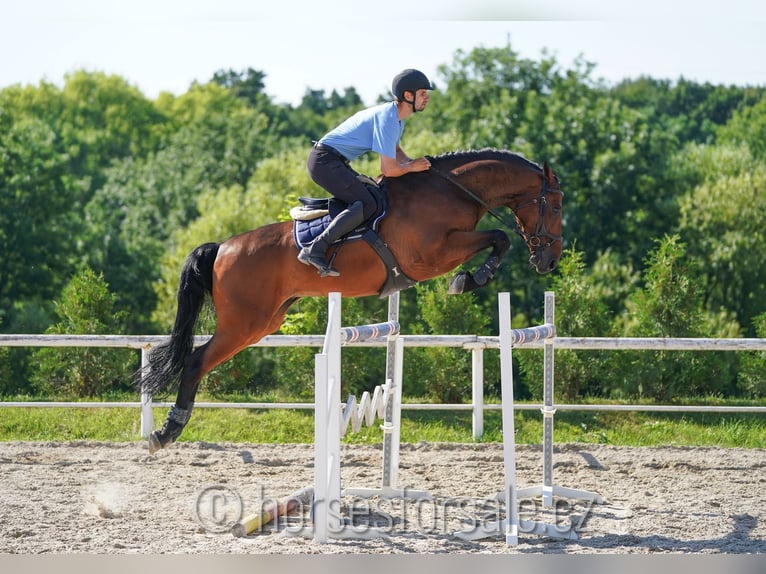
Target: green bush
[[579, 312], [443, 374], [669, 305], [15, 362], [752, 375], [85, 308]]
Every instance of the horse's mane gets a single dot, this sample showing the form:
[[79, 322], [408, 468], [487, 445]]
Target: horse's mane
[[453, 159]]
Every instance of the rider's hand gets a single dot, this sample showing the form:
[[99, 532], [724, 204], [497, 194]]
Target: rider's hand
[[420, 164]]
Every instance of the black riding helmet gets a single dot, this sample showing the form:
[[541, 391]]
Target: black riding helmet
[[409, 80]]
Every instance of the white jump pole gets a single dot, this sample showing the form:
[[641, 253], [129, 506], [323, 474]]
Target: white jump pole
[[477, 389], [509, 427], [392, 421], [327, 428]]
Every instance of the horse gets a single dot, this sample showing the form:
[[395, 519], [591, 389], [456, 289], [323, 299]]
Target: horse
[[430, 229]]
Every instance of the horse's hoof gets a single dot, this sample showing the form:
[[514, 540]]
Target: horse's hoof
[[457, 285], [154, 443], [166, 436]]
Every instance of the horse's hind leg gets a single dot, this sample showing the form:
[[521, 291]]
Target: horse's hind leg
[[464, 281], [204, 358]]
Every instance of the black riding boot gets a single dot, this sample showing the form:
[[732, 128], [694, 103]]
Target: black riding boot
[[315, 254]]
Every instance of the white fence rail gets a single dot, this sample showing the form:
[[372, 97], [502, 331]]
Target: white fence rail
[[476, 344]]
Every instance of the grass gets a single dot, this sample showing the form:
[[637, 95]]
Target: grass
[[297, 426]]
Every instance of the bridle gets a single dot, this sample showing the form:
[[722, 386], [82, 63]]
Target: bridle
[[534, 241]]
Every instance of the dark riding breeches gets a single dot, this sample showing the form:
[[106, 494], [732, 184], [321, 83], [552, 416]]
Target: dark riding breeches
[[331, 171]]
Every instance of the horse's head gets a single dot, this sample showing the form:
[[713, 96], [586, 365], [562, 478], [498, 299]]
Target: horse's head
[[499, 178], [539, 222]]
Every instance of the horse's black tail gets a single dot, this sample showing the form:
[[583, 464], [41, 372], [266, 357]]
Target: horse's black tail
[[166, 361]]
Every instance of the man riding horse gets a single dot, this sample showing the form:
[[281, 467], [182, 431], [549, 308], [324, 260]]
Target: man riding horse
[[378, 129], [430, 229]]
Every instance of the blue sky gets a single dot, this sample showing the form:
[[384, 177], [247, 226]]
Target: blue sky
[[165, 45]]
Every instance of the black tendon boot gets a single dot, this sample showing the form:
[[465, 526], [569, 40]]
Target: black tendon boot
[[171, 430], [315, 253]]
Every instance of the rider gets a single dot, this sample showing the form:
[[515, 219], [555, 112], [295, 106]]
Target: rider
[[379, 129]]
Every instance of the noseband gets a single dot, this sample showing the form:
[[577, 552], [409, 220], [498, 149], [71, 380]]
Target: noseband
[[535, 241]]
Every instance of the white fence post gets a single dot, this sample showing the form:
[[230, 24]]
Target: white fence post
[[147, 414], [477, 390]]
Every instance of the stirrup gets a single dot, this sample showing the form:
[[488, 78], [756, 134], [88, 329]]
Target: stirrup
[[325, 269]]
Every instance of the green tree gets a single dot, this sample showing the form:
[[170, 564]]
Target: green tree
[[751, 378], [443, 374], [721, 220], [55, 147], [97, 119], [86, 307], [580, 312], [693, 112], [132, 218], [248, 85], [35, 222], [669, 305], [747, 126]]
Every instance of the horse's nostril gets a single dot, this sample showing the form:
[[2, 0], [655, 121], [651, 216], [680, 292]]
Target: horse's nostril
[[553, 264]]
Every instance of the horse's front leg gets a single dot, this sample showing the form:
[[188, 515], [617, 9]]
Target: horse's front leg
[[464, 281]]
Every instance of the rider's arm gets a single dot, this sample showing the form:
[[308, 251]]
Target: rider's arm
[[394, 167]]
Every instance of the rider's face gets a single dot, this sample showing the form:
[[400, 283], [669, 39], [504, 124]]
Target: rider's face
[[421, 100]]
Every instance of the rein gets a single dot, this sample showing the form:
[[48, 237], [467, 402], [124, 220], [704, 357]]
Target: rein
[[540, 231]]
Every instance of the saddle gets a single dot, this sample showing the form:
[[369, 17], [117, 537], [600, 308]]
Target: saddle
[[315, 214]]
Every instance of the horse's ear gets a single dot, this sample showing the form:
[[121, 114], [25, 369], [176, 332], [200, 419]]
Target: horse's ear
[[548, 173]]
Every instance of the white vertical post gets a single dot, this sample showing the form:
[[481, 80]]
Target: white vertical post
[[509, 425], [393, 422], [334, 419], [321, 490], [147, 415], [548, 410], [392, 415], [477, 390], [327, 423], [511, 494], [392, 407]]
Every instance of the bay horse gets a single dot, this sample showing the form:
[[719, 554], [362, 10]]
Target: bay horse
[[430, 229]]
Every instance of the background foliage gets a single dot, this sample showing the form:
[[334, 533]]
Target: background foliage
[[103, 192]]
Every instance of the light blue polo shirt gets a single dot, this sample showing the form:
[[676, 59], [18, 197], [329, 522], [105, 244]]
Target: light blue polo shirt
[[376, 128]]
